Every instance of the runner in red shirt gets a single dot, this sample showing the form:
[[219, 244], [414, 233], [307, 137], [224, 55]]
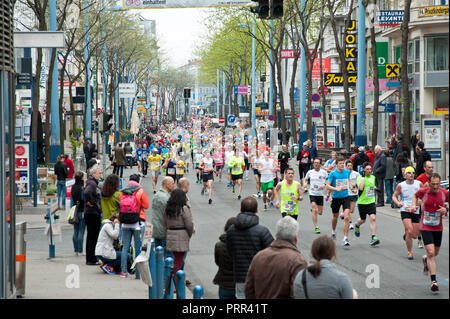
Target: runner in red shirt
[[424, 177], [433, 207]]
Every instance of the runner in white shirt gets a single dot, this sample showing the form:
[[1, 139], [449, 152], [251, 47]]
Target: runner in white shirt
[[207, 163], [255, 163], [316, 178], [267, 169], [352, 191], [197, 158]]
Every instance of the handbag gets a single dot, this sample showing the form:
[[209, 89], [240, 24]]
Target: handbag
[[305, 290], [73, 215]]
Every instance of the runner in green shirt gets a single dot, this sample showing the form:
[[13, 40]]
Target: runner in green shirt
[[237, 165], [366, 202]]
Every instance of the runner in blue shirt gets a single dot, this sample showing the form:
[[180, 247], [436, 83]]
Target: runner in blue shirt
[[138, 158], [338, 182]]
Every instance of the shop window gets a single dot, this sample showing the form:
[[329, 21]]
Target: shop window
[[437, 53]]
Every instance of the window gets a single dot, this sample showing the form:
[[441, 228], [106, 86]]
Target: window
[[442, 97], [437, 53], [414, 56]]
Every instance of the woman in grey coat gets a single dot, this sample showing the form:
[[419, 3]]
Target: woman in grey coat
[[389, 178], [179, 225]]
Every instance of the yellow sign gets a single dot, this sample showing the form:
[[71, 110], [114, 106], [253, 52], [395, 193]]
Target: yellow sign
[[392, 70], [111, 138], [433, 11], [440, 110], [141, 109]]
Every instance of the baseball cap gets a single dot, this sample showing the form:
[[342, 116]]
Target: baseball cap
[[409, 169], [305, 143], [361, 148]]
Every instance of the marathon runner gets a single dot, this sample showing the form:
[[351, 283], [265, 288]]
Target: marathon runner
[[425, 176], [237, 165], [317, 178], [267, 168], [144, 160], [198, 169], [139, 158], [433, 206], [218, 160], [283, 158], [255, 159], [207, 164], [291, 193], [410, 217], [170, 167], [229, 153], [245, 155], [352, 192], [155, 161]]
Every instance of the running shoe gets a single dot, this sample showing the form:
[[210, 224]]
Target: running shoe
[[107, 269], [265, 207], [342, 215], [124, 274], [410, 256], [327, 197], [317, 230], [346, 242], [351, 226], [357, 231], [239, 197], [419, 244], [210, 201], [272, 205], [425, 265], [375, 241], [154, 191], [434, 287], [259, 195], [333, 236]]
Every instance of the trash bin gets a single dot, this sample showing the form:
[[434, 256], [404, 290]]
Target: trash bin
[[21, 258]]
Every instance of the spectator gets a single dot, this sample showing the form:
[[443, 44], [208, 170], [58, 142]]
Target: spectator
[[104, 250], [159, 203], [77, 198], [128, 155], [225, 276], [312, 151], [87, 153], [370, 154], [322, 280], [415, 139], [424, 178], [61, 173], [355, 153], [423, 156], [402, 147], [110, 196], [360, 159], [279, 263], [389, 177], [400, 164], [379, 171], [134, 227], [92, 212], [245, 238], [69, 165], [119, 158], [179, 225]]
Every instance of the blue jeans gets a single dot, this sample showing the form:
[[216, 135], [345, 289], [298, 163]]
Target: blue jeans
[[61, 185], [115, 263], [227, 293], [127, 233], [389, 187], [78, 234]]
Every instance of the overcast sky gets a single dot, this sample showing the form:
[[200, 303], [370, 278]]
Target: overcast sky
[[178, 30]]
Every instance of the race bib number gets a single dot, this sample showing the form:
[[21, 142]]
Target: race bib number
[[236, 169], [208, 167], [304, 160], [431, 219], [171, 171], [290, 206], [155, 165], [370, 192], [342, 183]]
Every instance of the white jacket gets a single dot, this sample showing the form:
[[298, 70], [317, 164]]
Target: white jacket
[[108, 234]]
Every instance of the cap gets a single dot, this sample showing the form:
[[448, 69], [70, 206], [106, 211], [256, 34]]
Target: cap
[[305, 143], [361, 148], [409, 169]]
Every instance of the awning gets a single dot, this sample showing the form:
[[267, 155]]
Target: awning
[[383, 97]]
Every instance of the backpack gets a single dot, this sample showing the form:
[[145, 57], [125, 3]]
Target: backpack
[[128, 213]]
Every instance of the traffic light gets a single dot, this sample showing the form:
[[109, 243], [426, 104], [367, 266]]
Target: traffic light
[[187, 93], [262, 9], [106, 122], [276, 9], [95, 126]]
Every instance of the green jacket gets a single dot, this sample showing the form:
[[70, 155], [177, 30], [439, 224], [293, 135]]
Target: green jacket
[[110, 205], [159, 203]]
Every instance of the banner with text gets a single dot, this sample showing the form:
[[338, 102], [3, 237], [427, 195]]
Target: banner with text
[[157, 4]]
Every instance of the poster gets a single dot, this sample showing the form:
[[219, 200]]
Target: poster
[[23, 169], [154, 4], [432, 137], [320, 138]]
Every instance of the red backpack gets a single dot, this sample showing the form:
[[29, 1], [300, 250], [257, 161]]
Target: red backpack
[[129, 213]]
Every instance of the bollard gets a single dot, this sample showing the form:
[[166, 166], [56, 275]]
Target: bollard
[[198, 292], [159, 272], [21, 258], [181, 286], [168, 275], [51, 247], [152, 263]]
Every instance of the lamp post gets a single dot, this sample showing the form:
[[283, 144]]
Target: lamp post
[[360, 137]]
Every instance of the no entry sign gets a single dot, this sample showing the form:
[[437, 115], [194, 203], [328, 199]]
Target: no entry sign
[[315, 97]]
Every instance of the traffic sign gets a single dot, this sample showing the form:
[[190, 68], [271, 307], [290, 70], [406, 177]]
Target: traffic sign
[[392, 70], [271, 117], [221, 120], [326, 90], [316, 113], [315, 97], [231, 118]]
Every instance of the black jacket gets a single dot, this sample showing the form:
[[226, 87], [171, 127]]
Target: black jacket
[[61, 171], [360, 159], [225, 275], [244, 239], [424, 156], [76, 195], [379, 166], [92, 195]]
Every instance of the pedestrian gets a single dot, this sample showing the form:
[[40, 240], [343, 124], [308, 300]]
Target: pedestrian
[[159, 203], [401, 148], [400, 164], [70, 167], [104, 250], [179, 225], [92, 212], [224, 277], [422, 157], [128, 155], [414, 140], [379, 170], [360, 159], [77, 198], [133, 202], [110, 196], [119, 157], [369, 154], [303, 158], [434, 199], [155, 161], [87, 152], [389, 177], [273, 270], [61, 173], [322, 280], [245, 238], [312, 151]]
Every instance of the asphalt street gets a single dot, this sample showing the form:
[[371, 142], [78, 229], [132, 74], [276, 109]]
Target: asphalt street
[[381, 272]]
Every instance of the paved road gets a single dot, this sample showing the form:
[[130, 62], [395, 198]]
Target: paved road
[[398, 277]]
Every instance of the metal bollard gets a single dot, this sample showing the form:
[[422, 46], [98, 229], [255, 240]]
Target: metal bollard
[[152, 264], [159, 272], [21, 258], [51, 246], [168, 267], [181, 286], [198, 292]]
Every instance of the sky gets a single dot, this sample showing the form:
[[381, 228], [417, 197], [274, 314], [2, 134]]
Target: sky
[[179, 30]]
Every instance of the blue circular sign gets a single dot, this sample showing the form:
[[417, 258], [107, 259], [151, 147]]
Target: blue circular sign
[[271, 117], [231, 118], [315, 97]]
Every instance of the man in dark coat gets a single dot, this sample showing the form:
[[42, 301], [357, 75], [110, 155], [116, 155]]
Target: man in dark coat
[[244, 240], [379, 171], [423, 156]]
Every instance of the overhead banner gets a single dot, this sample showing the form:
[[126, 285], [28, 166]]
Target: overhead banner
[[159, 4]]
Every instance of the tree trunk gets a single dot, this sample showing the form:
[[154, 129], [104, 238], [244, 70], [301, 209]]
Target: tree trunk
[[291, 98], [404, 75], [376, 96], [283, 114], [324, 102]]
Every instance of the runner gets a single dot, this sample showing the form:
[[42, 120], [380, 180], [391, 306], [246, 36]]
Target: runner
[[410, 217], [366, 202], [245, 155], [317, 178], [283, 158], [267, 168], [303, 158], [352, 192], [255, 164], [207, 163], [180, 167], [198, 169], [218, 160], [291, 193], [330, 165], [237, 165], [170, 167], [433, 206], [144, 160], [338, 182], [424, 178], [229, 153], [155, 165]]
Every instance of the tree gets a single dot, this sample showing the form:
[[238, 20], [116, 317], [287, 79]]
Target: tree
[[404, 74]]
